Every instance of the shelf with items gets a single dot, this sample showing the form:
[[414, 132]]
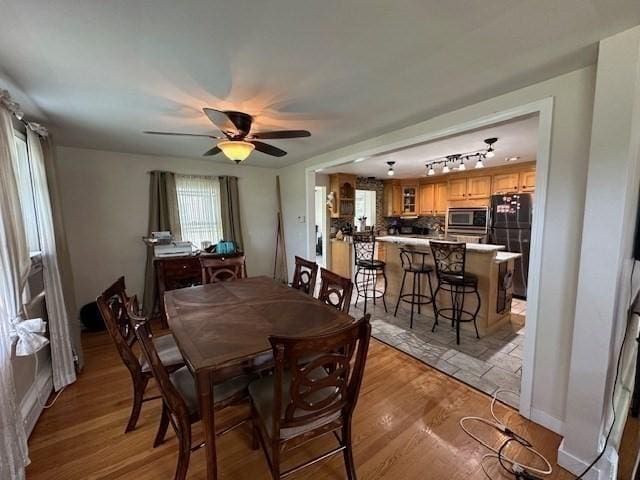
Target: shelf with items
[[343, 191]]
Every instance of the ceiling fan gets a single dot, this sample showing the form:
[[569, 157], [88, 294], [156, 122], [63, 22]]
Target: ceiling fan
[[238, 141]]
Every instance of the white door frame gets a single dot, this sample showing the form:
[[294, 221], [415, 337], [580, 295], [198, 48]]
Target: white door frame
[[544, 109]]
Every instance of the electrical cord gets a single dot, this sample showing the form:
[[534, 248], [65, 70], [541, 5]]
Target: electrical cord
[[518, 470], [615, 381]]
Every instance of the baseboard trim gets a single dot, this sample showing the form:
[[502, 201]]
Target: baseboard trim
[[36, 397], [547, 421], [604, 470]]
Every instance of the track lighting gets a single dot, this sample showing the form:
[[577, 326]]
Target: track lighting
[[390, 172], [431, 172], [461, 167], [445, 169], [479, 163], [490, 151]]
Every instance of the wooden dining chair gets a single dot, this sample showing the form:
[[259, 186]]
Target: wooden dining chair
[[112, 304], [335, 290], [216, 269], [304, 276], [180, 406], [302, 401]]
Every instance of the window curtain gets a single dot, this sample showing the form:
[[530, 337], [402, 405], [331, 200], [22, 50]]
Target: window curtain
[[14, 268], [64, 259], [163, 215], [198, 208], [64, 372], [230, 210]]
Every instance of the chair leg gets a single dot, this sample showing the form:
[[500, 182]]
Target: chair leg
[[184, 452], [475, 315], [384, 291], [404, 276], [275, 460], [255, 429], [139, 386], [435, 307], [355, 280], [349, 464], [457, 315], [162, 428], [417, 275], [413, 299]]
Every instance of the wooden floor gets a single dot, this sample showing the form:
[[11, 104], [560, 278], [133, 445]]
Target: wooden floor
[[405, 427]]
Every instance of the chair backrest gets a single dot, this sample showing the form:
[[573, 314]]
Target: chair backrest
[[364, 246], [304, 276], [170, 394], [449, 257], [335, 290], [112, 304], [413, 258], [327, 385], [216, 269]]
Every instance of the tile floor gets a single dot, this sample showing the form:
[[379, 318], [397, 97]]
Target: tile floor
[[488, 363]]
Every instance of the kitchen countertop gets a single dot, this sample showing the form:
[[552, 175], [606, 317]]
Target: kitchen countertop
[[502, 257], [424, 242]]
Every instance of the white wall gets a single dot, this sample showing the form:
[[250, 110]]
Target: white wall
[[569, 155], [605, 266], [105, 200]]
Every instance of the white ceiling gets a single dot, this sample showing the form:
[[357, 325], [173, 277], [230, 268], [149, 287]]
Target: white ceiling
[[518, 138], [104, 71]]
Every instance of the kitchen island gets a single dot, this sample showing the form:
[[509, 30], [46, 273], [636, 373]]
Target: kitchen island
[[493, 267]]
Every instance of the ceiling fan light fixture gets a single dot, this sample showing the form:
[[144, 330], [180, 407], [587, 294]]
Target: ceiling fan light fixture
[[236, 150]]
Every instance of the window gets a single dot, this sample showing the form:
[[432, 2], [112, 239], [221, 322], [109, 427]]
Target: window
[[366, 207], [199, 209], [25, 192]]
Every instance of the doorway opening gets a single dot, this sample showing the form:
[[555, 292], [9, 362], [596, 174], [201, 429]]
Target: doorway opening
[[320, 226], [510, 183]]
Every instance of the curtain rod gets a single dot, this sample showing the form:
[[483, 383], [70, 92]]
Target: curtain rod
[[18, 114], [190, 174]]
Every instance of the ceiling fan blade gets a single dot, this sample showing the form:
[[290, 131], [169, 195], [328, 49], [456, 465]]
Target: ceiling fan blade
[[220, 120], [213, 151], [268, 149], [175, 134], [282, 134]]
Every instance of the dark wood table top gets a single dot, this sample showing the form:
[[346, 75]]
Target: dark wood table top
[[224, 324]]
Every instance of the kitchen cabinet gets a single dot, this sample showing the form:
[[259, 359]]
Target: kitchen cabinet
[[427, 199], [409, 199], [392, 199], [479, 187], [441, 198], [342, 258], [505, 183], [528, 181], [458, 189], [343, 187]]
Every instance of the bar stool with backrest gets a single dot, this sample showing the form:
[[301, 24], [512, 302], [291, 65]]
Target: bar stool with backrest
[[304, 400], [112, 304], [304, 276], [222, 269], [335, 290], [180, 406], [450, 261], [414, 263], [368, 269]]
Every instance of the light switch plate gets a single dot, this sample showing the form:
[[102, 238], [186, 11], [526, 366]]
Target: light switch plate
[[301, 218]]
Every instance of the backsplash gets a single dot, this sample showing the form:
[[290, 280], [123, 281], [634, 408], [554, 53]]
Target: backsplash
[[420, 222]]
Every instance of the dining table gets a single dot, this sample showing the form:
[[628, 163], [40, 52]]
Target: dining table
[[224, 327]]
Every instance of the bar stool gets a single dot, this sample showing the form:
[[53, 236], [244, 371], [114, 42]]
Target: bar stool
[[414, 262], [450, 259], [368, 269]]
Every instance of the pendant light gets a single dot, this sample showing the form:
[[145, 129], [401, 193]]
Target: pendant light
[[390, 172]]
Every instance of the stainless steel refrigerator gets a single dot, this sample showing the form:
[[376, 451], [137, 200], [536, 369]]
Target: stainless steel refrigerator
[[511, 216]]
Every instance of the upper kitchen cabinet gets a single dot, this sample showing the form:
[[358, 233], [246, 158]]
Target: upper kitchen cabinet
[[427, 199], [479, 187], [528, 181], [506, 183], [409, 198], [343, 187], [458, 189], [392, 199], [441, 198]]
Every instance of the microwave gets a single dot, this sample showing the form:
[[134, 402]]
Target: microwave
[[468, 219]]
